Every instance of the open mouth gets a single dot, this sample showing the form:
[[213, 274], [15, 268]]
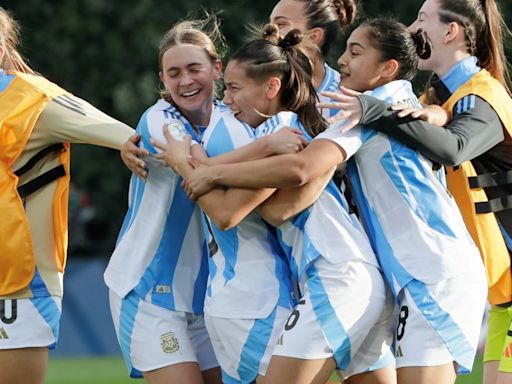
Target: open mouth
[[190, 93]]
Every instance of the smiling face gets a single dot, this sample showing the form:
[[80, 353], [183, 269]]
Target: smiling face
[[361, 65], [247, 98], [189, 76], [429, 21]]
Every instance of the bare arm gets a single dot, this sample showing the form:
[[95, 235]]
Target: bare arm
[[283, 171], [286, 203], [282, 142], [226, 207]]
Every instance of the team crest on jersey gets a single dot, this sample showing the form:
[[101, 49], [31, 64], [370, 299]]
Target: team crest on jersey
[[176, 129], [169, 342]]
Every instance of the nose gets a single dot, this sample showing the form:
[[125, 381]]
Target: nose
[[413, 27], [342, 60], [227, 98], [186, 79]]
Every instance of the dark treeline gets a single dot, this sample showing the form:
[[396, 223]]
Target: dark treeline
[[106, 52]]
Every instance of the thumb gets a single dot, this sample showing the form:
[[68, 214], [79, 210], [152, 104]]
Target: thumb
[[348, 91]]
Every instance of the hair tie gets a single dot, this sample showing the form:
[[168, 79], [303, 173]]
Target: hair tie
[[285, 44]]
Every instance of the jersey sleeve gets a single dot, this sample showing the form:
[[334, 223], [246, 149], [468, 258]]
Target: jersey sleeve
[[472, 131], [68, 118], [349, 141]]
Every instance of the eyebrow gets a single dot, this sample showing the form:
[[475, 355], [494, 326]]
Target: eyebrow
[[281, 17], [171, 68], [351, 45]]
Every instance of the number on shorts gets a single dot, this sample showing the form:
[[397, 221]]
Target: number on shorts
[[294, 317], [402, 319], [14, 311]]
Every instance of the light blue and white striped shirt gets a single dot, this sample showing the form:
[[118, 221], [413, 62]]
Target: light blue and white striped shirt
[[414, 225], [249, 275], [161, 252]]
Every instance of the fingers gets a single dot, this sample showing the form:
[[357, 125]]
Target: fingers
[[348, 91], [135, 138], [158, 144]]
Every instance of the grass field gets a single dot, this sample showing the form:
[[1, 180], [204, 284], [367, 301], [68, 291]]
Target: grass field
[[111, 370]]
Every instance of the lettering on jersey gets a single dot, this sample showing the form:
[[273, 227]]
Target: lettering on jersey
[[163, 289], [399, 352], [169, 342], [3, 334], [280, 340], [11, 317], [409, 103]]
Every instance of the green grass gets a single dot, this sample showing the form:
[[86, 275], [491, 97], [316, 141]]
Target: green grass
[[111, 370]]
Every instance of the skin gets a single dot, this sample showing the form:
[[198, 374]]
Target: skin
[[289, 14]]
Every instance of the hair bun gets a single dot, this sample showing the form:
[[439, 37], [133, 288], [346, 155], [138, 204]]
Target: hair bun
[[293, 37], [346, 10], [423, 47], [270, 32]]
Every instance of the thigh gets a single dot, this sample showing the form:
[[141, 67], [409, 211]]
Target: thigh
[[25, 365], [151, 337], [26, 323], [201, 343], [285, 370]]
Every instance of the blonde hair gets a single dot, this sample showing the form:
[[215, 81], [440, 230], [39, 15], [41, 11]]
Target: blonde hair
[[204, 33], [10, 39]]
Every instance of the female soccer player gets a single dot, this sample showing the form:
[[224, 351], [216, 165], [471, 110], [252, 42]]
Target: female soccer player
[[471, 84], [38, 121], [424, 249], [158, 272], [265, 81]]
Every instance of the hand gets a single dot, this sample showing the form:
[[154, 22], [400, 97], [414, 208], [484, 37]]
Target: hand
[[348, 103], [174, 152], [432, 114], [199, 182], [130, 154], [285, 141]]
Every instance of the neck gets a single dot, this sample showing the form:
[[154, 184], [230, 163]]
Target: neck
[[318, 72], [200, 117], [449, 60]]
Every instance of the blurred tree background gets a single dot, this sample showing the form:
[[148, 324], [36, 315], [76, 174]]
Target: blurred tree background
[[107, 53]]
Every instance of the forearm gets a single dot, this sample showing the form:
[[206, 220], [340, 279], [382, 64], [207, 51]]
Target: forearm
[[467, 136], [255, 150], [286, 203], [227, 208]]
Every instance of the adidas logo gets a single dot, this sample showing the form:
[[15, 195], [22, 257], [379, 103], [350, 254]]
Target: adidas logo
[[3, 334], [280, 340], [399, 352]]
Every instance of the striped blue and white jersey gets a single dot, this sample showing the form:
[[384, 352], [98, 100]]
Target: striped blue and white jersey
[[161, 252], [330, 83], [414, 225], [249, 275], [325, 229]]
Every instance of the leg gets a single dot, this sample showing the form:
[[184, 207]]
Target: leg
[[299, 371], [212, 376], [491, 372], [385, 375], [439, 374], [504, 378], [176, 373], [24, 365]]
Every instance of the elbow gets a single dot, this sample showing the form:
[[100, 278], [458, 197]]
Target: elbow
[[226, 221], [275, 219], [299, 174]]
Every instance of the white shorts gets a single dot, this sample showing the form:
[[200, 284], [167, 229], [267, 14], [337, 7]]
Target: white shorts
[[345, 313], [440, 323], [244, 346], [26, 323], [153, 337]]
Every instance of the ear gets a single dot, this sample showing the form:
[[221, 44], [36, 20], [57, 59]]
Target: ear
[[452, 31], [161, 76], [389, 69], [217, 70], [316, 35], [273, 87]]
